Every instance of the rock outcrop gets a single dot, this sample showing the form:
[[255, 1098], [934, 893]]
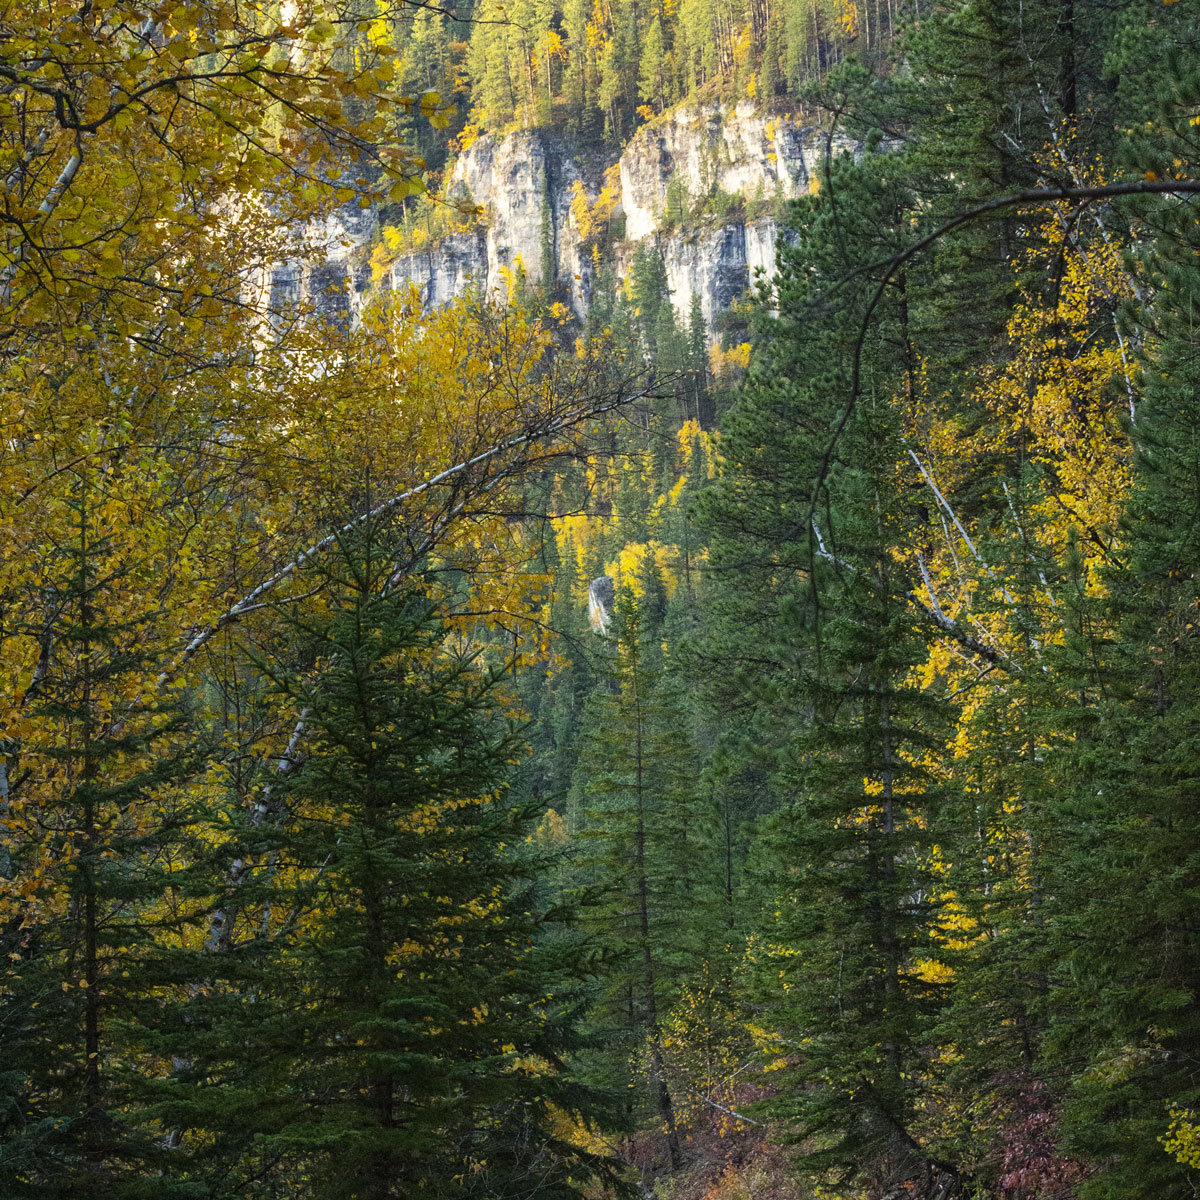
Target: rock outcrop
[[702, 183], [601, 597], [443, 269], [717, 263], [739, 152]]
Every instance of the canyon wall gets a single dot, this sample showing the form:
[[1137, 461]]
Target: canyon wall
[[703, 185]]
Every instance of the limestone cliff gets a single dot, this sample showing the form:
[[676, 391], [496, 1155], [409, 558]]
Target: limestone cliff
[[738, 152], [703, 184]]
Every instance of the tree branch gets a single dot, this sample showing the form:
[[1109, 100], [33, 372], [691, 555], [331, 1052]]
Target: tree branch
[[1027, 197], [934, 614], [251, 600]]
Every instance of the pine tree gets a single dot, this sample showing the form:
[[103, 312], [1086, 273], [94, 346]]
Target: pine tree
[[99, 822], [490, 63], [409, 1018], [651, 875], [652, 71], [768, 78]]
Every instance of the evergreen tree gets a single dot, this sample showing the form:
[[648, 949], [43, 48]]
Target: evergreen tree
[[408, 1017], [852, 894], [490, 64], [814, 620], [768, 79], [652, 84], [100, 821], [578, 77], [1124, 856], [697, 364], [651, 873]]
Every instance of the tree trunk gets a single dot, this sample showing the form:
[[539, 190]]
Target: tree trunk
[[662, 1093]]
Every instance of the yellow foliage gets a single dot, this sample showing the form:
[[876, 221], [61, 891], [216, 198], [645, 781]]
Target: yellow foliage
[[551, 832], [592, 221], [199, 486], [930, 970], [696, 443], [468, 137], [629, 568], [742, 43], [727, 364], [703, 1046], [216, 113], [846, 18], [1061, 393], [427, 222], [1182, 1139]]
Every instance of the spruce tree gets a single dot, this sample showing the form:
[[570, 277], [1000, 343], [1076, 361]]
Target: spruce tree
[[652, 70], [1123, 872], [853, 897], [100, 828], [404, 1028], [652, 892], [815, 623]]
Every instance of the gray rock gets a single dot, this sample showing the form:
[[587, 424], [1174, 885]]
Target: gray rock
[[525, 182], [601, 597]]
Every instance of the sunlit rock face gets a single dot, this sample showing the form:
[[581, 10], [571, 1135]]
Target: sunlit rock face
[[703, 185], [717, 263], [444, 269], [601, 596], [737, 151], [334, 273], [524, 184]]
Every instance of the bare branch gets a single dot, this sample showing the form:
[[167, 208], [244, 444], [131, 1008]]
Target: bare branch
[[934, 614], [729, 1112], [252, 599]]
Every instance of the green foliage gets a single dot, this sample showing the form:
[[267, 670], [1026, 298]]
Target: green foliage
[[1123, 872], [650, 873], [410, 1017], [1042, 975], [873, 784], [95, 943], [613, 67], [843, 866]]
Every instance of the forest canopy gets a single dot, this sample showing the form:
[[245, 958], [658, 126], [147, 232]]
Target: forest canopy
[[512, 750]]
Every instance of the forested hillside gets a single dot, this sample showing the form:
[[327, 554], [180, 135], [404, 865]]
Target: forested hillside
[[596, 71], [570, 742]]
